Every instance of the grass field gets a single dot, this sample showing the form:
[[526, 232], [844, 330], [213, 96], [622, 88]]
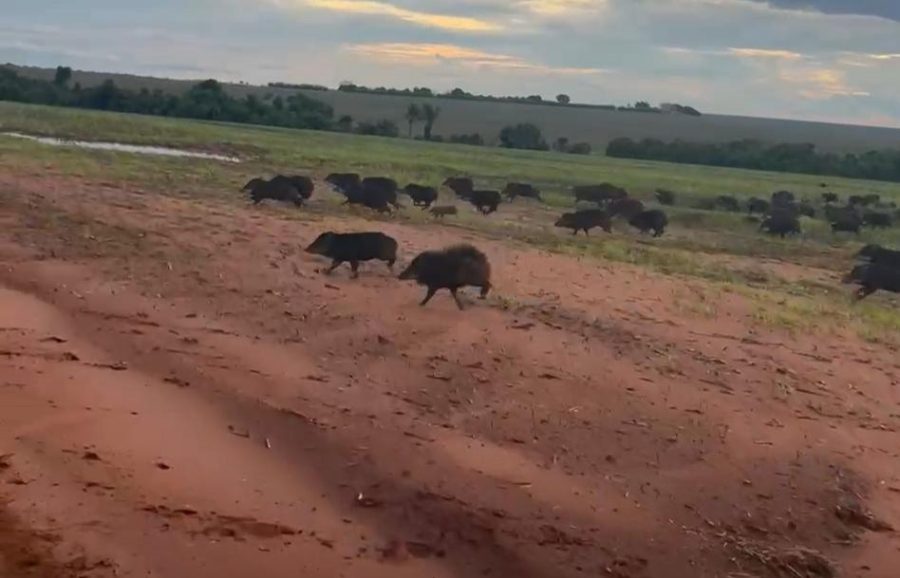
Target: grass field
[[594, 126], [714, 246]]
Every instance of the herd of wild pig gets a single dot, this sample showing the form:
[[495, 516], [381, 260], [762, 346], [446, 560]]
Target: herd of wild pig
[[451, 268], [464, 265], [382, 194]]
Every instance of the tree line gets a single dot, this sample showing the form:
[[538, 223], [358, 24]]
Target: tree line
[[881, 165], [206, 100], [460, 94]]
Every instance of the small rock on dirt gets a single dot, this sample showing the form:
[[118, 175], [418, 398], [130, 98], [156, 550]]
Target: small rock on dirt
[[367, 501]]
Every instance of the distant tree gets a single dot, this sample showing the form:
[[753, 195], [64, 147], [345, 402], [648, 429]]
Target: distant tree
[[563, 99], [523, 136], [642, 105], [534, 98], [63, 76], [104, 97], [681, 109], [623, 147], [469, 139], [345, 123], [381, 128], [430, 114], [561, 144], [413, 115], [206, 100], [580, 148]]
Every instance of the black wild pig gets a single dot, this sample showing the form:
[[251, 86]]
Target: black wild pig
[[872, 277], [880, 256], [878, 219], [357, 195], [625, 208], [782, 198], [829, 198], [652, 220], [441, 212], [450, 268], [354, 248], [343, 182], [599, 194], [836, 212], [303, 184], [806, 209], [513, 190], [486, 201], [585, 221], [864, 200], [462, 187], [781, 223], [278, 189], [381, 187], [380, 183], [757, 205], [846, 222], [728, 203], [872, 199], [253, 183], [665, 197], [375, 193], [421, 196]]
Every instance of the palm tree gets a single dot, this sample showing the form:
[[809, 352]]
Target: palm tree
[[413, 115], [430, 114]]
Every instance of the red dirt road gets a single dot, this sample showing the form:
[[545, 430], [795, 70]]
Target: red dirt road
[[182, 393]]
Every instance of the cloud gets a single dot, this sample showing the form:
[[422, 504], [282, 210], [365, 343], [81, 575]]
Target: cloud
[[376, 8], [765, 53], [558, 7], [812, 78], [435, 54], [815, 83], [888, 9], [884, 56], [781, 58]]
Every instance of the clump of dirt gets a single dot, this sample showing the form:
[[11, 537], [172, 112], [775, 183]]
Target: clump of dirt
[[785, 562]]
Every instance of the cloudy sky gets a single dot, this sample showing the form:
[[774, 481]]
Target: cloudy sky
[[833, 60]]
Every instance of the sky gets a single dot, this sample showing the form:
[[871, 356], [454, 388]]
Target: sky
[[832, 60]]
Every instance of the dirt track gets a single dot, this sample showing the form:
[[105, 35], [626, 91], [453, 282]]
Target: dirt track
[[184, 394]]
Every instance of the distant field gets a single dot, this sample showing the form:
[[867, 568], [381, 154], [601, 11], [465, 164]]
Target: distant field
[[594, 126], [268, 149]]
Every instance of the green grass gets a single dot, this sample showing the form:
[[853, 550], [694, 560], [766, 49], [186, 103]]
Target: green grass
[[722, 248], [274, 148]]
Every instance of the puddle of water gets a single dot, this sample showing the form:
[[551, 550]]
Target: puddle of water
[[125, 148]]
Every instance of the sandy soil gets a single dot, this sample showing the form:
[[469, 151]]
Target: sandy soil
[[183, 393]]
